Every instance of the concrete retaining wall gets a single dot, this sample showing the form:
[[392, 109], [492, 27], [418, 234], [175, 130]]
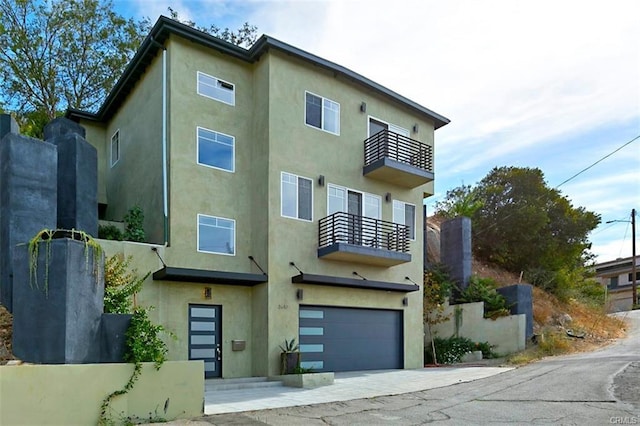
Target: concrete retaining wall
[[72, 394], [507, 334]]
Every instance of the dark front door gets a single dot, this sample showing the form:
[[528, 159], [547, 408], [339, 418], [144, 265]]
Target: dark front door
[[205, 337]]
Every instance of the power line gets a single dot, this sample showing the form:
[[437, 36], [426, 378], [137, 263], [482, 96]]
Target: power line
[[603, 158]]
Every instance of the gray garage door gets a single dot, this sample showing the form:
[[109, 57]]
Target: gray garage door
[[349, 339]]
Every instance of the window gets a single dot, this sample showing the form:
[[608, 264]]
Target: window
[[216, 235], [631, 276], [115, 147], [342, 199], [297, 197], [405, 214], [322, 113], [216, 149], [214, 88]]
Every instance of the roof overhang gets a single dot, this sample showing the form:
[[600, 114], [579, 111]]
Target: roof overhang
[[206, 276], [164, 27], [353, 283]]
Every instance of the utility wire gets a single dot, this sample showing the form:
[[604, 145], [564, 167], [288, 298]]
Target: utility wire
[[603, 158]]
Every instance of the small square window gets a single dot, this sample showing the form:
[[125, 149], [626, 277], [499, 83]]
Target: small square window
[[322, 113], [115, 147], [216, 149], [214, 88], [216, 235]]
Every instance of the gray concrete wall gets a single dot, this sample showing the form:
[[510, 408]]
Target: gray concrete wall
[[520, 300], [28, 194], [58, 308], [77, 176], [455, 249]]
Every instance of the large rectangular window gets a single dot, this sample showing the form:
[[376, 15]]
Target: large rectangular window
[[405, 214], [115, 147], [297, 196], [216, 235], [216, 149], [322, 113], [217, 89]]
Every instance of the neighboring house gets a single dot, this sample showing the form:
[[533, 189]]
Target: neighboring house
[[616, 276], [269, 159]]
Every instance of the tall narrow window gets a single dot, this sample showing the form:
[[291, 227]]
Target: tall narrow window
[[214, 88], [115, 147], [216, 149], [216, 235], [322, 113], [297, 197], [405, 214]]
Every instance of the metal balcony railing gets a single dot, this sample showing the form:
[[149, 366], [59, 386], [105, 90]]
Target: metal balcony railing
[[363, 231], [399, 148]]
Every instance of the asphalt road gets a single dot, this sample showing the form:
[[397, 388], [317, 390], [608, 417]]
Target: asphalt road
[[595, 388]]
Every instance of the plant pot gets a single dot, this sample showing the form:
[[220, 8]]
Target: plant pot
[[289, 361]]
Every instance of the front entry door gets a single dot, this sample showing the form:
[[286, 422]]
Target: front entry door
[[354, 208], [205, 337]]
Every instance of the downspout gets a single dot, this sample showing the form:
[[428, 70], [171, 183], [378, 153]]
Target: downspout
[[165, 191]]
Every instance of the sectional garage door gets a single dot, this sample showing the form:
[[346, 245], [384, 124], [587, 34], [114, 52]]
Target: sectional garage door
[[349, 339]]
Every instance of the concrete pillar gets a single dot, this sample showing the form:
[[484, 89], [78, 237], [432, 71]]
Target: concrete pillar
[[57, 314], [520, 299], [77, 176], [455, 249], [28, 194], [8, 125]]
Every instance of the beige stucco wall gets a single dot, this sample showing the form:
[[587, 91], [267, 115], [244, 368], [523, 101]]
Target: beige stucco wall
[[619, 300], [72, 394], [507, 334]]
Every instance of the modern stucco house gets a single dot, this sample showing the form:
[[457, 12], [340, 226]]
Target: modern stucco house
[[282, 196], [616, 276]]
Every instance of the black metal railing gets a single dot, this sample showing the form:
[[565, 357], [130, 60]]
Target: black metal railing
[[363, 231], [399, 148]]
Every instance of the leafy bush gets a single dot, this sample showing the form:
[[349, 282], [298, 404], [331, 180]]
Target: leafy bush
[[134, 229], [120, 285], [484, 290], [452, 349], [109, 232], [143, 342]]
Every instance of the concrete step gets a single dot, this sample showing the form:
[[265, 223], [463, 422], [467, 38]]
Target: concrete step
[[218, 385]]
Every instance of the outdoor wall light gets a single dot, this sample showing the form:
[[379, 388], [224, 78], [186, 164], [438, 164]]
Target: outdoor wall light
[[207, 292], [387, 197], [299, 294], [415, 128], [363, 107], [321, 180], [405, 301]]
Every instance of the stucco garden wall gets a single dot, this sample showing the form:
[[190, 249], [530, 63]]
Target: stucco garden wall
[[507, 334], [72, 394]]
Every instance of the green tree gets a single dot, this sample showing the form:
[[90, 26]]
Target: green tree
[[460, 201], [244, 36], [59, 54], [523, 224]]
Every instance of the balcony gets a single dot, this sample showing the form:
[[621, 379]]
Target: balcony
[[397, 159], [351, 238]]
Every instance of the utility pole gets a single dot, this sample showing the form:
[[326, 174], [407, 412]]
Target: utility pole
[[634, 290]]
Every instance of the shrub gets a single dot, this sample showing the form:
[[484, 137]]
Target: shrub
[[143, 343], [120, 285], [484, 290], [109, 232], [134, 229], [451, 350]]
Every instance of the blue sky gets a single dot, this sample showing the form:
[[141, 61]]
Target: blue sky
[[530, 83]]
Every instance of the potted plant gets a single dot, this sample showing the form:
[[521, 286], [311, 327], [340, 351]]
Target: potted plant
[[289, 357]]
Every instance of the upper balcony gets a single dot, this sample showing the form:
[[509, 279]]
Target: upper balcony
[[397, 159], [359, 239]]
